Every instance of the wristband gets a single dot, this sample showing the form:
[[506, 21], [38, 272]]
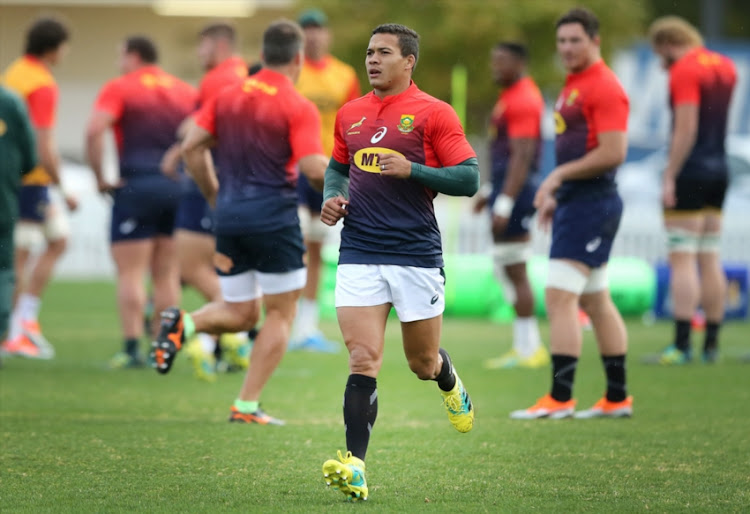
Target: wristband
[[503, 206]]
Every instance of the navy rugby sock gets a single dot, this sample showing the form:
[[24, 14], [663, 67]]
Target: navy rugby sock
[[682, 335], [563, 376], [711, 342], [614, 367], [446, 379]]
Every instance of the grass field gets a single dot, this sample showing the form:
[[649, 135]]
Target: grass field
[[77, 437]]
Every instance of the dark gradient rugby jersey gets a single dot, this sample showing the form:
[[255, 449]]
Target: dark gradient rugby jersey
[[591, 102], [262, 127], [517, 114], [705, 79], [392, 221], [147, 105], [227, 73]]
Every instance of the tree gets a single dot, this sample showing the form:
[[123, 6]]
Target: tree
[[462, 32]]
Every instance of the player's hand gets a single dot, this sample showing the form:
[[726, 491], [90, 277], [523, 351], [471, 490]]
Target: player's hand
[[547, 189], [499, 225], [668, 198], [545, 212], [170, 161], [479, 204], [71, 201], [392, 165], [107, 188], [333, 210]]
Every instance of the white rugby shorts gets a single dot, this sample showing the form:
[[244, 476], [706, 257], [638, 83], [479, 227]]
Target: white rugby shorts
[[415, 293]]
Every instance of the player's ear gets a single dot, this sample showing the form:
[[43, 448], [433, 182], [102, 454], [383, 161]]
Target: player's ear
[[409, 63]]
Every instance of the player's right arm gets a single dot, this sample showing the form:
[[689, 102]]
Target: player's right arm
[[42, 108], [335, 192], [685, 92], [107, 110], [197, 154], [336, 187]]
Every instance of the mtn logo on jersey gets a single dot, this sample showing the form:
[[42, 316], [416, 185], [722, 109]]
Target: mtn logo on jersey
[[380, 134], [407, 123], [355, 125], [560, 125], [367, 159]]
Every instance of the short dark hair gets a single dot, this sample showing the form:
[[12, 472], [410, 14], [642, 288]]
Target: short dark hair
[[282, 40], [516, 49], [143, 47], [408, 39], [45, 35], [219, 30], [584, 17]]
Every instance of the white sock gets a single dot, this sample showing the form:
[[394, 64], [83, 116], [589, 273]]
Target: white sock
[[306, 322], [526, 339], [207, 342], [28, 307], [15, 328]]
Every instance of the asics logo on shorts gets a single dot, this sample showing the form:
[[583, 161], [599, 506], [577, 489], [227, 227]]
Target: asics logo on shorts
[[380, 134], [127, 226], [593, 244], [434, 299]]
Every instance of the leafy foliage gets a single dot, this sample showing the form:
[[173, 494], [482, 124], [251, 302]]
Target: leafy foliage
[[462, 32]]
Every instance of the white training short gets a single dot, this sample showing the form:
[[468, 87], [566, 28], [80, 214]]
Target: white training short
[[254, 284], [415, 293]]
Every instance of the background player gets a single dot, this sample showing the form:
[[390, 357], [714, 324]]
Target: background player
[[17, 146], [144, 106], [263, 130], [516, 154], [42, 217], [579, 197], [194, 225], [395, 149], [328, 83], [695, 180]]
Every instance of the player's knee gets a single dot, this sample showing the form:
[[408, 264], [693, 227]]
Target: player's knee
[[709, 244], [244, 316], [28, 235], [363, 358], [57, 246], [680, 240], [423, 365], [565, 283]]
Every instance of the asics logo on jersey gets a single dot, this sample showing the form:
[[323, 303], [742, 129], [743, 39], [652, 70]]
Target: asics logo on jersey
[[380, 134], [593, 244]]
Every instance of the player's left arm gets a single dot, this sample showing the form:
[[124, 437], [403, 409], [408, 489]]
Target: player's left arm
[[26, 138], [306, 144], [443, 133]]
